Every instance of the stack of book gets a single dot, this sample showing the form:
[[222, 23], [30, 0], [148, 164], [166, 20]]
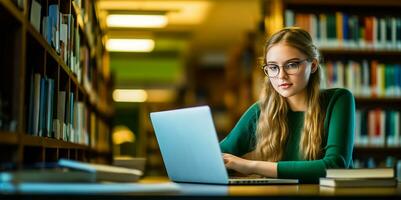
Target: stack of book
[[361, 177]]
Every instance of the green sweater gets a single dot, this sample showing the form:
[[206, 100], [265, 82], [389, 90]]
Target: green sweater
[[337, 144]]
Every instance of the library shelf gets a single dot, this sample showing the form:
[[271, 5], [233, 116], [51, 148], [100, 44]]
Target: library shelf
[[360, 45], [73, 68], [8, 138], [343, 2], [377, 149], [359, 51], [386, 102], [29, 140]]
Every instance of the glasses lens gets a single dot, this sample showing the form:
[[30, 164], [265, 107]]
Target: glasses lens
[[272, 70], [292, 68]]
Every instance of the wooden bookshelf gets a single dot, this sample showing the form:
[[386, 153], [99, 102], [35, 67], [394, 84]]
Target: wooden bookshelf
[[229, 88], [147, 143], [9, 138], [353, 47], [359, 51], [88, 113], [343, 3], [378, 102], [378, 151]]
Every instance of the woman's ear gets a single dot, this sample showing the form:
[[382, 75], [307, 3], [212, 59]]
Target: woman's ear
[[314, 66]]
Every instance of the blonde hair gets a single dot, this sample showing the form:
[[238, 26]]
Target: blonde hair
[[272, 129]]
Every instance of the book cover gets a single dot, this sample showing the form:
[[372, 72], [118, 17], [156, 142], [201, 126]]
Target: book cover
[[31, 103], [42, 106], [36, 104], [49, 110], [35, 14], [360, 173], [357, 182], [59, 121]]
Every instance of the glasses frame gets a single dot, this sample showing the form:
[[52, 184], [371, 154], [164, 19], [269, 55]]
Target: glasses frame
[[298, 63]]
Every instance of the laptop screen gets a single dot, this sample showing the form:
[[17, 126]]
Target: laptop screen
[[189, 145]]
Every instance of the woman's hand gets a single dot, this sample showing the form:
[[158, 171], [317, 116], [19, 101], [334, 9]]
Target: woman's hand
[[238, 164], [247, 167]]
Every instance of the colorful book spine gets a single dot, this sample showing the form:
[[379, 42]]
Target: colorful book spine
[[340, 29]]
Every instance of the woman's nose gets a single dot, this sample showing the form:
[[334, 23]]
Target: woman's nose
[[282, 74]]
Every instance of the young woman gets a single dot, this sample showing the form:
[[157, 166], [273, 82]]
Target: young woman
[[295, 130]]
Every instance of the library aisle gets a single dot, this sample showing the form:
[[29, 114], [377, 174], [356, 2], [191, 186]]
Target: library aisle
[[79, 78]]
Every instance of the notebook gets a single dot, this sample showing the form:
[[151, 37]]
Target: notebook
[[190, 149]]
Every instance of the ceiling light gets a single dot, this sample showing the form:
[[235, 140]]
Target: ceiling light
[[129, 95], [161, 95], [136, 21], [130, 45]]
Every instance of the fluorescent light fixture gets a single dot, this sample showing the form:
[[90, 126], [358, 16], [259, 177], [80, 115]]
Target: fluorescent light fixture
[[129, 95], [161, 95], [136, 21], [130, 45]]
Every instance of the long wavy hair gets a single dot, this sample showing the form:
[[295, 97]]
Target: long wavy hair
[[272, 130]]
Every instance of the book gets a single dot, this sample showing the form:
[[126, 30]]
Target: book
[[49, 108], [360, 173], [46, 175], [357, 182], [35, 14], [130, 162], [168, 188], [31, 102], [103, 172]]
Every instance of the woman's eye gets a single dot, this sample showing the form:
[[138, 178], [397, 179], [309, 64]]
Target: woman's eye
[[273, 68], [292, 65]]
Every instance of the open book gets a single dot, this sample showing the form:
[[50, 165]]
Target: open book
[[103, 172]]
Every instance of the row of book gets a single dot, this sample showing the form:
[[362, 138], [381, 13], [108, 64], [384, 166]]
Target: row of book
[[377, 127], [19, 3], [6, 119], [364, 78], [56, 114], [340, 29], [60, 30], [371, 162]]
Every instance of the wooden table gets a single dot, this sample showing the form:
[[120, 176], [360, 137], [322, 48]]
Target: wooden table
[[294, 191], [161, 188]]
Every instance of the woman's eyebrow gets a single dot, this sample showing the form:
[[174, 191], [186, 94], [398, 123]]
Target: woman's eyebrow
[[292, 59], [289, 60]]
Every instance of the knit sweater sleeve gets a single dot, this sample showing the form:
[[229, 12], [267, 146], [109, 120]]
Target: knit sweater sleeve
[[241, 139]]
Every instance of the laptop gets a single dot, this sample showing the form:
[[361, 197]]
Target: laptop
[[190, 149]]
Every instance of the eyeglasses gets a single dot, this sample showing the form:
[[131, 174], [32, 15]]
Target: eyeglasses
[[290, 68]]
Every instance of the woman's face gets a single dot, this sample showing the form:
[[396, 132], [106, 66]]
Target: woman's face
[[284, 59]]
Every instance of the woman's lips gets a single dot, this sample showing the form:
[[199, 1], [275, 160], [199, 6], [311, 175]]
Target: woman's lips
[[285, 85]]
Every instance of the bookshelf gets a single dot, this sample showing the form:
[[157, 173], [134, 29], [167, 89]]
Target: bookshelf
[[55, 99], [242, 79], [148, 146], [360, 44]]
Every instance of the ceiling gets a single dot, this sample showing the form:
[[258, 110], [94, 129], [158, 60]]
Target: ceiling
[[199, 31]]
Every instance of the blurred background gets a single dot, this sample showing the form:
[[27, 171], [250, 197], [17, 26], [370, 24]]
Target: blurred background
[[204, 52], [83, 88], [199, 53]]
